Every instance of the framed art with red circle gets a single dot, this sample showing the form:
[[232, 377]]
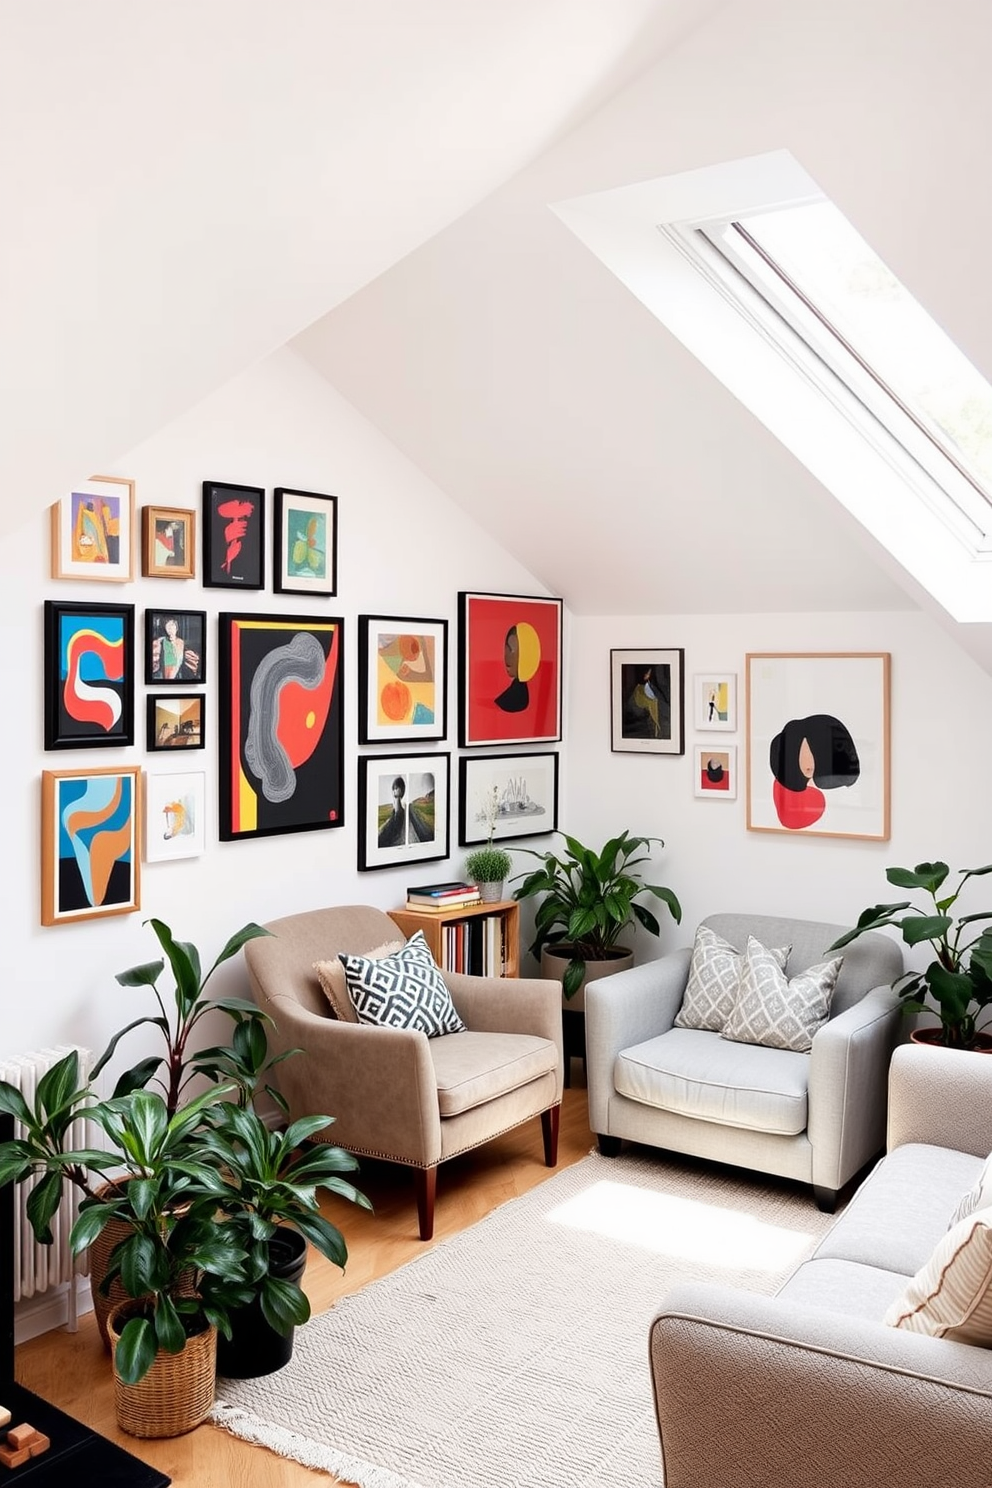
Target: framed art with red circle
[[509, 669]]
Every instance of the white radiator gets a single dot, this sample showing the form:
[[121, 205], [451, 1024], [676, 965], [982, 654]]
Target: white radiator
[[38, 1268]]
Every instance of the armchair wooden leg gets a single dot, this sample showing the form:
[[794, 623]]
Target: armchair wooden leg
[[549, 1127], [426, 1179]]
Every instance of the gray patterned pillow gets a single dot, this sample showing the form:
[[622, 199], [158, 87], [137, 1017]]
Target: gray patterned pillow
[[405, 990], [714, 981], [776, 1012]]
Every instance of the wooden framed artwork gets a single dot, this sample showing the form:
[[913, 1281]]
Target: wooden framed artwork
[[89, 675], [646, 701], [403, 679], [509, 669], [280, 724], [90, 844], [402, 809], [715, 772], [305, 558], [175, 814], [168, 542], [518, 793], [93, 531], [176, 720], [714, 698], [233, 536], [175, 646], [818, 744]]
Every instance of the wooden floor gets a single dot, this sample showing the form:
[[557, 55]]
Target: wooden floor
[[73, 1371]]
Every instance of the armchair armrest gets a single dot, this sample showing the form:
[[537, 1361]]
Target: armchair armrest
[[848, 1085], [507, 1004], [942, 1097], [626, 1009]]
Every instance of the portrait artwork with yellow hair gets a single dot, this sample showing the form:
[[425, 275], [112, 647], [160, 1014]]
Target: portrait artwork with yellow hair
[[510, 668]]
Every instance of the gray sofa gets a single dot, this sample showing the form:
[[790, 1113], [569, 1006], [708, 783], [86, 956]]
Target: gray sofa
[[809, 1386]]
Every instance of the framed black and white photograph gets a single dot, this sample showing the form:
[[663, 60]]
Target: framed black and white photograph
[[402, 809], [233, 536], [514, 794], [305, 547], [402, 679], [175, 647], [646, 701]]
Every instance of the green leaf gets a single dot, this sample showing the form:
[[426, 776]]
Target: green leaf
[[135, 1351], [138, 1077], [169, 1331], [147, 1120], [158, 1022], [323, 1236], [184, 960], [646, 918], [917, 928], [928, 876], [572, 979], [59, 1086], [12, 1103], [951, 990], [145, 975], [42, 1204], [141, 1266], [90, 1224], [669, 898]]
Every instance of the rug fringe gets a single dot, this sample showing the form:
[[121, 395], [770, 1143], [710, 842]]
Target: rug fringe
[[248, 1427]]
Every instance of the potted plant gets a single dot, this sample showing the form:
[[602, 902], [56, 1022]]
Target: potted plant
[[958, 981], [489, 866]]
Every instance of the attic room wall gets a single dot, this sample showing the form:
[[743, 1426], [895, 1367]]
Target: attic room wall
[[403, 549]]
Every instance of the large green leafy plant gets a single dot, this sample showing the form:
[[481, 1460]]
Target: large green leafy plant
[[589, 900], [958, 981]]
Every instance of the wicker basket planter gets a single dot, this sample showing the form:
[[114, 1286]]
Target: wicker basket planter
[[177, 1392]]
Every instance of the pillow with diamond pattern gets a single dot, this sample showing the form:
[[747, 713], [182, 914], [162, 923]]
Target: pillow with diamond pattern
[[405, 990], [330, 975], [714, 981], [776, 1012]]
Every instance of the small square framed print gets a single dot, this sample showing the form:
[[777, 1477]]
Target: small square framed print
[[233, 536], [714, 696], [176, 720], [168, 542], [646, 698], [93, 531], [305, 557], [716, 771], [175, 814], [89, 675], [176, 646]]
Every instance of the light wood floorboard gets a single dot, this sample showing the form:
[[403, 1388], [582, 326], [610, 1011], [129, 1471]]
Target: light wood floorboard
[[73, 1371]]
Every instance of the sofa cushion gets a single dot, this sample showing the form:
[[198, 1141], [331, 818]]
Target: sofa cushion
[[951, 1296], [778, 1012], [714, 981], [706, 1076], [405, 990], [330, 975], [844, 1286], [473, 1068], [979, 1195]]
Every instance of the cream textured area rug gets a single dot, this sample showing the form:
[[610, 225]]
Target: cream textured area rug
[[516, 1352]]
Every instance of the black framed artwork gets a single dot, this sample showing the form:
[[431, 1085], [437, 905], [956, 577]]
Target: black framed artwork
[[175, 647], [176, 720], [233, 536], [403, 813], [305, 543], [506, 795], [89, 675], [402, 679], [647, 700]]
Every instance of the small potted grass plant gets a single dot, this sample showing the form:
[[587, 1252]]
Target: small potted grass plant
[[489, 866]]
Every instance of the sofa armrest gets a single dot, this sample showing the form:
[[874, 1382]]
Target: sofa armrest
[[752, 1390], [627, 1009], [848, 1085], [942, 1097], [507, 1004]]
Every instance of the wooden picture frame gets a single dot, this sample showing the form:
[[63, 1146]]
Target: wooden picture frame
[[89, 675], [715, 772], [281, 724], [714, 702], [526, 791], [403, 679], [168, 542], [233, 536], [92, 531], [403, 809], [175, 647], [509, 669], [305, 542], [818, 743], [90, 843], [176, 720], [175, 814], [647, 713]]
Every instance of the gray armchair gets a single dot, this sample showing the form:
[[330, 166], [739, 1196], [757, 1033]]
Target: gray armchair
[[817, 1117], [394, 1093]]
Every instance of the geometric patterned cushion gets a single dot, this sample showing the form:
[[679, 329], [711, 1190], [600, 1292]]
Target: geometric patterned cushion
[[404, 990], [978, 1197], [714, 981], [330, 975], [951, 1296], [776, 1012]]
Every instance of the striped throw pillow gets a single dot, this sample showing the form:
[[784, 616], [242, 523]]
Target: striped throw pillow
[[951, 1296]]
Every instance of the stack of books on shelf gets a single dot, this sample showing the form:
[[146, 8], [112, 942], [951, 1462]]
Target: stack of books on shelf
[[440, 897]]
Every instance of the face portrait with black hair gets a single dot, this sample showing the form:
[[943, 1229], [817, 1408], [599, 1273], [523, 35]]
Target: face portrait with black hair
[[809, 756]]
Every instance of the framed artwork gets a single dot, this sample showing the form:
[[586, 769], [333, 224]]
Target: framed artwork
[[176, 646], [175, 815], [715, 772], [176, 720], [715, 701], [509, 669], [233, 536], [90, 847], [168, 542], [306, 543], [281, 724], [517, 792], [403, 679], [402, 809], [93, 531], [818, 744], [89, 675], [646, 701]]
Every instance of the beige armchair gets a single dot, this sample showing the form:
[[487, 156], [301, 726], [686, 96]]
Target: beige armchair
[[394, 1093]]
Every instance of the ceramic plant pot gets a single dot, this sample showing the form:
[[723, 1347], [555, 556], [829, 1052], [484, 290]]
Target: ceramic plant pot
[[254, 1348]]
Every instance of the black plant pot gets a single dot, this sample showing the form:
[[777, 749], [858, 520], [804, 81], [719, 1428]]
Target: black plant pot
[[254, 1347]]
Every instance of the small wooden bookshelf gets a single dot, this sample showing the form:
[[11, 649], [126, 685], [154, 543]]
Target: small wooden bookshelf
[[443, 935]]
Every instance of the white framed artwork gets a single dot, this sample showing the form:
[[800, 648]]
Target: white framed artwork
[[175, 814], [715, 701], [715, 775]]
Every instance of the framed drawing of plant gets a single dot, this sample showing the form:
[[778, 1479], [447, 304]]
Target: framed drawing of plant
[[402, 809], [517, 793], [646, 701], [509, 669], [403, 679], [89, 675], [90, 844], [168, 542], [176, 646], [175, 814], [280, 725], [93, 531], [233, 536], [306, 543], [714, 696], [176, 721]]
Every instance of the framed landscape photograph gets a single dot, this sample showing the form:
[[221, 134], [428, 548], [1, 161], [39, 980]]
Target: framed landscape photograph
[[402, 809], [168, 542], [93, 531], [305, 557], [509, 669], [646, 701], [176, 646], [89, 675], [176, 720], [90, 845], [233, 536], [281, 724], [403, 679], [175, 814], [518, 793], [715, 772], [715, 701], [818, 744]]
